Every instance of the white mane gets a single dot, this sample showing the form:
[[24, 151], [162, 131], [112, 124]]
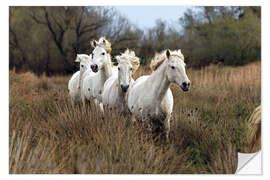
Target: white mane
[[160, 57], [102, 42], [129, 55]]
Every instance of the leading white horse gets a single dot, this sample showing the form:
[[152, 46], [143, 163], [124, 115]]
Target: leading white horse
[[93, 83], [151, 98], [116, 87]]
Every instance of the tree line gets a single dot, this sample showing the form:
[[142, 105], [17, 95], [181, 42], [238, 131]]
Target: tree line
[[47, 39]]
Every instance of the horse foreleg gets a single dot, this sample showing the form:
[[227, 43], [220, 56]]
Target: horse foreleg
[[101, 107], [96, 102], [73, 103], [133, 119], [83, 102], [167, 126]]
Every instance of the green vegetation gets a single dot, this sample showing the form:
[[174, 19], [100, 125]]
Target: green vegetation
[[47, 39], [229, 35]]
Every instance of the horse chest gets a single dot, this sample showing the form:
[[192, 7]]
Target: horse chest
[[149, 109], [96, 92], [119, 100]]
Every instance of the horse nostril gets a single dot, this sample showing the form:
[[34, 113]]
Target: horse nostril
[[124, 88], [188, 84], [184, 84]]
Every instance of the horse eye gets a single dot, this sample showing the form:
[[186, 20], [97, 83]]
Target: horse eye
[[130, 69], [82, 65], [103, 53], [173, 67], [118, 68]]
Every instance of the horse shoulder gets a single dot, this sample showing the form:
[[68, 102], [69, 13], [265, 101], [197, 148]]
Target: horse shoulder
[[87, 84], [73, 80], [73, 85], [114, 71], [140, 80], [108, 88], [137, 94], [136, 87]]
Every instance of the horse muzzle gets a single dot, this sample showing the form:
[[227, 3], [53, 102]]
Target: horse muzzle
[[94, 68], [185, 86]]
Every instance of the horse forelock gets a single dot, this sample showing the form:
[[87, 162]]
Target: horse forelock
[[105, 44], [130, 56]]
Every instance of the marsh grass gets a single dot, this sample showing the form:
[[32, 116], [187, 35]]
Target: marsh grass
[[209, 123]]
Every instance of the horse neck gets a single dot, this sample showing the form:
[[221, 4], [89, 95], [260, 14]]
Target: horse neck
[[82, 77], [159, 82], [108, 67], [105, 72], [108, 70]]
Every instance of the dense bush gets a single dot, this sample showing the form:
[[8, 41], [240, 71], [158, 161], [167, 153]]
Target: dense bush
[[230, 36]]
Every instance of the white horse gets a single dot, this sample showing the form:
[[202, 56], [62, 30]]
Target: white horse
[[93, 83], [151, 98], [116, 87], [103, 42], [75, 82]]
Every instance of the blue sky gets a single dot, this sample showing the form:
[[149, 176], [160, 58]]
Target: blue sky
[[145, 16]]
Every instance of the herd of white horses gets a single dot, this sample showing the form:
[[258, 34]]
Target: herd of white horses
[[149, 97]]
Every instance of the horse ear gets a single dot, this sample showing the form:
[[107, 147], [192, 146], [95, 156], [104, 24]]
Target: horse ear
[[77, 58], [118, 59], [168, 53], [93, 43], [91, 55]]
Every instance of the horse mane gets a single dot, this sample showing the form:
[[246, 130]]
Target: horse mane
[[129, 55], [103, 42], [159, 58]]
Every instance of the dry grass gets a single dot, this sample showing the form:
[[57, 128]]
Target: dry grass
[[47, 135], [252, 143]]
